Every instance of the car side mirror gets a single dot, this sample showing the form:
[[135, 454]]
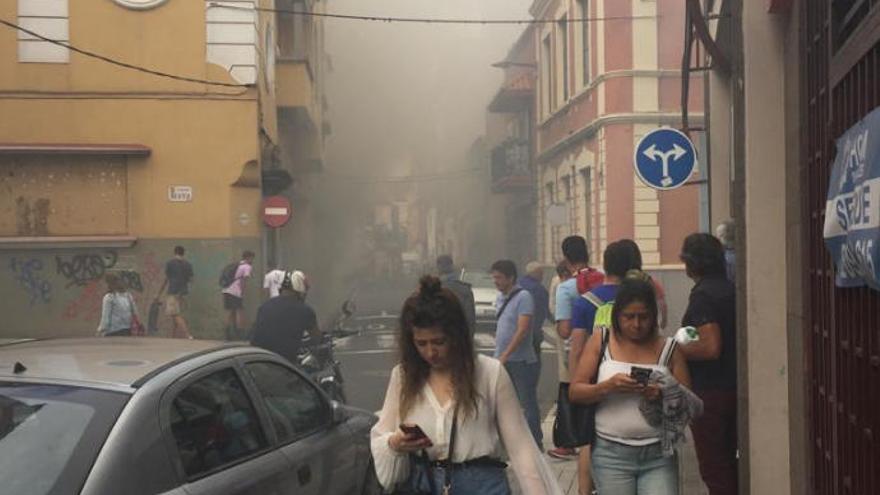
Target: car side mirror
[[338, 412]]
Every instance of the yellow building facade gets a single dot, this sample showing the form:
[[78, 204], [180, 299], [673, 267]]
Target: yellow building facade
[[106, 169]]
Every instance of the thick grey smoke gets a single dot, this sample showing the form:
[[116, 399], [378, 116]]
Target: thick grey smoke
[[404, 99]]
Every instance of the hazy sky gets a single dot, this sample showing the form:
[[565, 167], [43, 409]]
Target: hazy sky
[[412, 95]]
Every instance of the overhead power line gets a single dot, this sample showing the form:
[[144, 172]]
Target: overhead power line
[[119, 63], [428, 20]]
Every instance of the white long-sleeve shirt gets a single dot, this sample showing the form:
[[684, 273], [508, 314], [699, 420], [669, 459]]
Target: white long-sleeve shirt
[[117, 310], [499, 426]]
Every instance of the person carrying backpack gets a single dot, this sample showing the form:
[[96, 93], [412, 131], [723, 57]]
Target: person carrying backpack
[[232, 281], [593, 309]]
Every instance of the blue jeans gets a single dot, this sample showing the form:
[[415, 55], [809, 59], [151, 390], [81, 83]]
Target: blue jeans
[[464, 480], [525, 378], [625, 470]]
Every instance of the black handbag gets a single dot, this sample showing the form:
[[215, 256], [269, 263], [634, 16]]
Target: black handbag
[[575, 424], [421, 474]]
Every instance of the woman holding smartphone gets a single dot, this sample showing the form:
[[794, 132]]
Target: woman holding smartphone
[[627, 456], [450, 414]]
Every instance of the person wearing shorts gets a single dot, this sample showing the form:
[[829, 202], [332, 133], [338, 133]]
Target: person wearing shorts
[[233, 297], [178, 276]]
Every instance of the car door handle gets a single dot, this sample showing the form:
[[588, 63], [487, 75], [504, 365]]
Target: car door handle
[[304, 475]]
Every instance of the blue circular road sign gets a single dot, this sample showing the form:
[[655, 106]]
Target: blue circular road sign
[[665, 158]]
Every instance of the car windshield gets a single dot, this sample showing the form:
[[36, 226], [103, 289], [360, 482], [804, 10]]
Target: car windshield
[[50, 436], [479, 280]]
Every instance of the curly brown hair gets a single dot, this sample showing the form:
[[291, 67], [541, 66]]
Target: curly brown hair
[[432, 306]]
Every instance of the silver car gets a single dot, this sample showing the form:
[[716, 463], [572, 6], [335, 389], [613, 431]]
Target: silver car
[[180, 417], [485, 294]]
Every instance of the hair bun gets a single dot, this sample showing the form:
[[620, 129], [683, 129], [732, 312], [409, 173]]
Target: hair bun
[[429, 286]]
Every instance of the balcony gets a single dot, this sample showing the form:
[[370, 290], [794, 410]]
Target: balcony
[[516, 95], [510, 166], [295, 91]]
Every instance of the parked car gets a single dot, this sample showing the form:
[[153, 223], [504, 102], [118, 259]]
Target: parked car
[[175, 417], [484, 297]]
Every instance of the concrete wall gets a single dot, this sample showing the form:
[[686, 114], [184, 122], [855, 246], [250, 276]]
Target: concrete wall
[[773, 368], [58, 292]]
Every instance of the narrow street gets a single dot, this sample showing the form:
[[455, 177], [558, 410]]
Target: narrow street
[[368, 357]]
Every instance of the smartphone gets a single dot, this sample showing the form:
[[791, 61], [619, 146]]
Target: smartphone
[[414, 431], [640, 374]]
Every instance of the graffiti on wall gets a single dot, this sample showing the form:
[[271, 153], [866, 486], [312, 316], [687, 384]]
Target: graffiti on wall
[[27, 273], [87, 304], [81, 269], [132, 280]]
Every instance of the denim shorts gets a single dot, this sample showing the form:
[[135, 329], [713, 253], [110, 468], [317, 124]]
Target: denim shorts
[[465, 480], [620, 469]]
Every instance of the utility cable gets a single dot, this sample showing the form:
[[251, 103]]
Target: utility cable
[[119, 63], [425, 20]]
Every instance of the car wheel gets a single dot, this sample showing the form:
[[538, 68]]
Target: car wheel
[[371, 482]]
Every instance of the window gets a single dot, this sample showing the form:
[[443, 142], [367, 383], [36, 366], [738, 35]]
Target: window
[[562, 49], [583, 29], [50, 435], [63, 195], [587, 179], [50, 19], [293, 30], [546, 76], [270, 58], [846, 16], [295, 406], [214, 423]]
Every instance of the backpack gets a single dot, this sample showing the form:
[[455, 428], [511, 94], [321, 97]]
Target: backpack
[[588, 279], [227, 276], [603, 310]]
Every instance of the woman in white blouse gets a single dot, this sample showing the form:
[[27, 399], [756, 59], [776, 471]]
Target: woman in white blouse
[[454, 397]]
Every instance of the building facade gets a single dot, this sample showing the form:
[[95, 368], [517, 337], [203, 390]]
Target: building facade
[[609, 71], [510, 134], [788, 78], [107, 169]]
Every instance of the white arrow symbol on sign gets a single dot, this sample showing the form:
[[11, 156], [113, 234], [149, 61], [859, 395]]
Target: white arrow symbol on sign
[[675, 153]]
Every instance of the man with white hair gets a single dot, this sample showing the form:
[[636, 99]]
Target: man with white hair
[[282, 321], [726, 233], [533, 281]]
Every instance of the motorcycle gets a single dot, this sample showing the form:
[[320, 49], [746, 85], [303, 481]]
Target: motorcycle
[[318, 360]]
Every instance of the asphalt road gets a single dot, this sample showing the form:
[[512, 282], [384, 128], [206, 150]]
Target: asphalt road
[[368, 356]]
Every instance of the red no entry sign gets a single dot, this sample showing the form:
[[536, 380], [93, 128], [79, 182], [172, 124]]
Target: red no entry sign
[[276, 211]]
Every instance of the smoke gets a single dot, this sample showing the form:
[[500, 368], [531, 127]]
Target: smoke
[[404, 100]]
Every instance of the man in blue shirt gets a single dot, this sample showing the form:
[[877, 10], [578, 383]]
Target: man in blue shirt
[[616, 262], [513, 341]]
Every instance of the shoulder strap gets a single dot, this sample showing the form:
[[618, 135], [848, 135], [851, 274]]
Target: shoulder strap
[[668, 351], [112, 303], [606, 337], [447, 481], [602, 349], [452, 434], [593, 298], [130, 302], [507, 301]]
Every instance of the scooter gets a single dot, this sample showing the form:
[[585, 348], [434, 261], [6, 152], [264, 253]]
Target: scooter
[[318, 360]]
